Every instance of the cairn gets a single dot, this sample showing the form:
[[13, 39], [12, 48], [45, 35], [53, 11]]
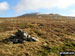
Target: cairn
[[21, 36]]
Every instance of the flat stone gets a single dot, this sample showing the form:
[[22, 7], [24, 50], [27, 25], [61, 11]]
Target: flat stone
[[34, 39]]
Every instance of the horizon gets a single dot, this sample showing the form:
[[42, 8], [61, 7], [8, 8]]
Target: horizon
[[19, 7]]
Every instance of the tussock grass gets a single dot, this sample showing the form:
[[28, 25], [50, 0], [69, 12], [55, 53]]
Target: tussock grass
[[54, 34]]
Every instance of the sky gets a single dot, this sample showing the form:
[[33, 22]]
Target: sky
[[13, 8]]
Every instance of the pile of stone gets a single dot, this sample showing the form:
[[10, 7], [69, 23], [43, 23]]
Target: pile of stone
[[20, 37]]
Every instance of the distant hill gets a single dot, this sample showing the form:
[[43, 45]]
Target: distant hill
[[41, 16]]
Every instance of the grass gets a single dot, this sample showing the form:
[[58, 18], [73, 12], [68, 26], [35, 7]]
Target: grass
[[54, 34], [44, 51]]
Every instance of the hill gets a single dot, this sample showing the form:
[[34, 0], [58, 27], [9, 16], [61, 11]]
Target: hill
[[55, 32]]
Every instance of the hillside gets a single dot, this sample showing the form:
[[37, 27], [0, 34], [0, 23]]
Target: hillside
[[55, 32]]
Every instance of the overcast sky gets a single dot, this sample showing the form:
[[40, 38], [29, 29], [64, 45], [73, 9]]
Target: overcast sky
[[12, 8]]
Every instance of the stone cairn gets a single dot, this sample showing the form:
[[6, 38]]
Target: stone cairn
[[20, 37]]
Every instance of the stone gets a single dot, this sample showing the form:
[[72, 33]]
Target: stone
[[11, 37], [15, 41], [25, 34], [34, 39], [28, 38], [19, 33], [21, 37]]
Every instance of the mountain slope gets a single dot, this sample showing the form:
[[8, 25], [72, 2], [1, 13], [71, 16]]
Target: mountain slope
[[54, 34]]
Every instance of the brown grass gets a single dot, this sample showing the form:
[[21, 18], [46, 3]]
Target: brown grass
[[54, 34]]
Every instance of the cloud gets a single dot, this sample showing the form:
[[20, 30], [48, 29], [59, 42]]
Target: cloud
[[4, 6], [47, 4], [62, 4], [72, 13]]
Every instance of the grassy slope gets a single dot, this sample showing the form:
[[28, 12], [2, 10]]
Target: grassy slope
[[54, 34]]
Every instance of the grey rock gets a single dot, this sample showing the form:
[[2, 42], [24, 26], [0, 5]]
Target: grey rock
[[20, 30], [11, 37], [21, 37], [25, 34], [15, 41], [34, 39], [28, 36], [19, 33]]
